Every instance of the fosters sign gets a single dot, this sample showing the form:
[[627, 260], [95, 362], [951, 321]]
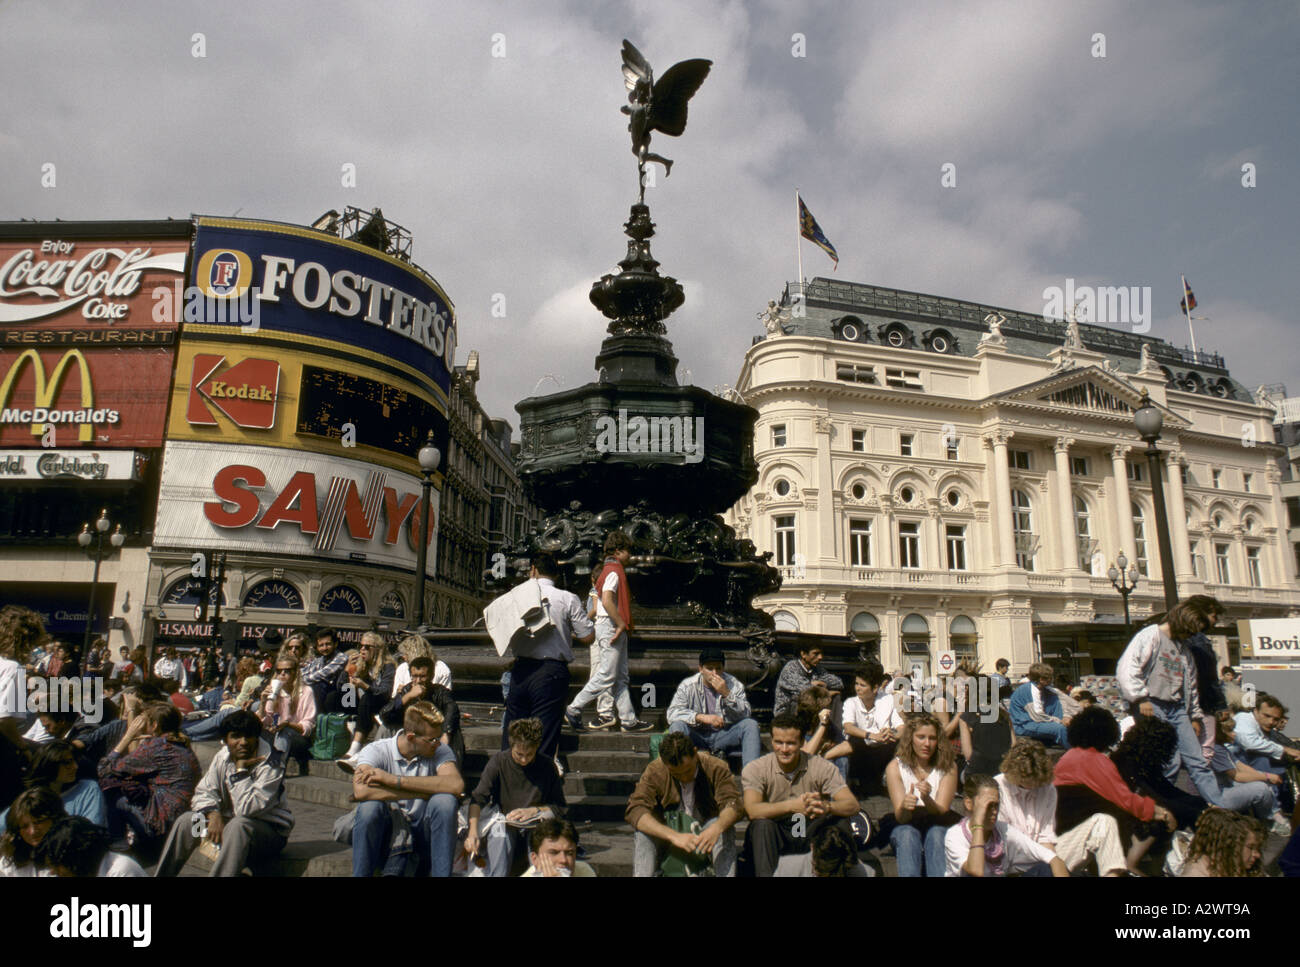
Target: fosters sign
[[286, 502]]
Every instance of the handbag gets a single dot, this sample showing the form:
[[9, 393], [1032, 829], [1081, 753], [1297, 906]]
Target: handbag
[[677, 862]]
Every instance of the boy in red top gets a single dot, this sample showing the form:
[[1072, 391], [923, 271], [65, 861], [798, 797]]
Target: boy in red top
[[613, 621]]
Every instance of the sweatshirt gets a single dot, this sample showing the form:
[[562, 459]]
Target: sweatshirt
[[1088, 767], [1157, 667]]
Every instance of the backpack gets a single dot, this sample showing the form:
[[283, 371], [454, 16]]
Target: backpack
[[676, 862], [331, 738]]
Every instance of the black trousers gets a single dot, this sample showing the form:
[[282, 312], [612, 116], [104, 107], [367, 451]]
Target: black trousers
[[538, 689], [867, 762], [767, 840]]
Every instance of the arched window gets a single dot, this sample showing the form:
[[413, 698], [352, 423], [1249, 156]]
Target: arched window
[[915, 631], [1140, 537], [274, 594], [1022, 525], [962, 637], [866, 631], [785, 621], [1083, 533]]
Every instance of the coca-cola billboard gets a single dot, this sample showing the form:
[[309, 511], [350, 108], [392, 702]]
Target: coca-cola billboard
[[61, 289]]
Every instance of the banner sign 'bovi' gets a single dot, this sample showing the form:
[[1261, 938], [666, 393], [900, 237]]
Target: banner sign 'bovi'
[[299, 281]]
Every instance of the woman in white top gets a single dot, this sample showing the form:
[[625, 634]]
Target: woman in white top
[[410, 648], [922, 782]]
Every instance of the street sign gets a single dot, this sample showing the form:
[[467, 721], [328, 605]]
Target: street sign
[[947, 662]]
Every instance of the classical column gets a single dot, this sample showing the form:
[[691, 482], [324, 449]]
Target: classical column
[[889, 552], [935, 525], [997, 440], [1069, 555], [1177, 508], [1237, 555], [1124, 503], [826, 551], [1280, 546]]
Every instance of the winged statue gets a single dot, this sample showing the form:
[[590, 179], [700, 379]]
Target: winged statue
[[657, 106]]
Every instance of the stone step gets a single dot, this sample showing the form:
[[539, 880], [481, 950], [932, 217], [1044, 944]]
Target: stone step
[[488, 739], [629, 763], [599, 784], [311, 850]]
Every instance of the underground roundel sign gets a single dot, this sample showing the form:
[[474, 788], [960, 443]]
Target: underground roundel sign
[[947, 662]]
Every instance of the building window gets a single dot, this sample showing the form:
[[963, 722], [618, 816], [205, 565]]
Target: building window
[[1139, 537], [903, 378], [1022, 525], [956, 547], [1221, 563], [1019, 459], [1252, 567], [1134, 471], [778, 435], [1293, 512], [852, 373], [860, 441], [1198, 560], [1216, 478], [785, 621], [909, 544], [952, 449], [1078, 466], [784, 540], [1083, 533], [1184, 475], [905, 444], [860, 543], [859, 491], [1246, 480]]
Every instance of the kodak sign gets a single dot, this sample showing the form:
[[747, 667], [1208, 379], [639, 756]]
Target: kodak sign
[[245, 393]]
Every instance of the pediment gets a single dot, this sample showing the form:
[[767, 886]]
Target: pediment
[[1091, 390]]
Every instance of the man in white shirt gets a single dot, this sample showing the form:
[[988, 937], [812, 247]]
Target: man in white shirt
[[981, 846], [871, 723], [417, 774], [169, 666]]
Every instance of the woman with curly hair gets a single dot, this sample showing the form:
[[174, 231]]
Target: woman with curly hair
[[922, 781], [813, 710], [1087, 782], [1226, 844], [149, 778], [25, 825], [1141, 758]]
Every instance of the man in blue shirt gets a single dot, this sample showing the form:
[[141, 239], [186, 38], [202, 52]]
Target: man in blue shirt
[[1036, 711], [407, 787]]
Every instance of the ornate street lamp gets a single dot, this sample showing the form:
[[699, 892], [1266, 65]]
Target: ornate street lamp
[[1124, 581], [429, 457], [1148, 421], [97, 555]]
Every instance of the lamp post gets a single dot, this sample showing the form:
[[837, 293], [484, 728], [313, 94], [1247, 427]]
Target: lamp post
[[1124, 581], [429, 458], [1148, 421], [84, 539]]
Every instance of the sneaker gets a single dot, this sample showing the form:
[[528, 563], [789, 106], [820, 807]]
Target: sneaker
[[1281, 826], [604, 723], [574, 720], [638, 726]]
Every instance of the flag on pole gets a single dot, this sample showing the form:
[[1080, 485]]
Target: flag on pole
[[810, 230], [1188, 302]]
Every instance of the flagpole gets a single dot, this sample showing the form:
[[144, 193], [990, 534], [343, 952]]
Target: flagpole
[[1187, 311], [798, 236]]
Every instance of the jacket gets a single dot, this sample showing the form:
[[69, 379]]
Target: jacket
[[1209, 688], [1021, 707], [256, 793], [656, 790], [795, 678], [1157, 667], [689, 701], [1088, 767]]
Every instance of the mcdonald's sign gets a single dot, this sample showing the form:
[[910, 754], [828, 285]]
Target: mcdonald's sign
[[98, 397]]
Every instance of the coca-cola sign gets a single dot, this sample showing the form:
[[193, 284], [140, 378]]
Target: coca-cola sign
[[95, 283]]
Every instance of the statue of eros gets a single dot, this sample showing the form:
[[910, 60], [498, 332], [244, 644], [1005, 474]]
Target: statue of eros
[[657, 106]]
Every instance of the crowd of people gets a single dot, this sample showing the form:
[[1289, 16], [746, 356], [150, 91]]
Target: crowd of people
[[995, 778]]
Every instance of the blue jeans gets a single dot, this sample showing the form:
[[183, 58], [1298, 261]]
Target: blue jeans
[[1189, 751], [434, 836], [1263, 763], [908, 847], [210, 727], [1252, 798], [1048, 733], [743, 735], [210, 701]]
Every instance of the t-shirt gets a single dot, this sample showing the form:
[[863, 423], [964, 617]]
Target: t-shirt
[[119, 864], [611, 584], [802, 865], [82, 798], [441, 675], [383, 754], [812, 774], [882, 715], [510, 786], [13, 704], [1020, 852], [579, 869], [687, 792]]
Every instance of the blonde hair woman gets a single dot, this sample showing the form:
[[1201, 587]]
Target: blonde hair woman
[[410, 648], [369, 680], [288, 711], [922, 782]]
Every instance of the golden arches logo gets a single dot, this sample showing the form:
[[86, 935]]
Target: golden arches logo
[[224, 273], [47, 391]]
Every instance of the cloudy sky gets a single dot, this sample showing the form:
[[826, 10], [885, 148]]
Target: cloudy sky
[[514, 172]]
